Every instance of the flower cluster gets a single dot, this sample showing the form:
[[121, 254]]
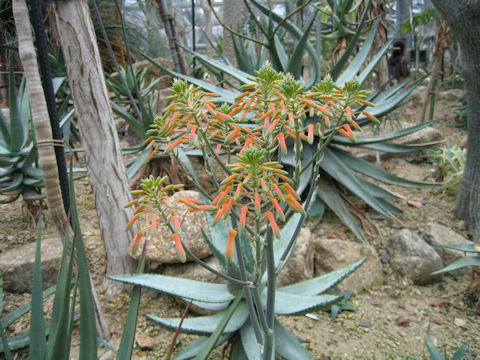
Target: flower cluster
[[272, 110], [257, 188], [153, 200]]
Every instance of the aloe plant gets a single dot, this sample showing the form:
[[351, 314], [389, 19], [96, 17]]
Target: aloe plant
[[252, 185], [18, 174]]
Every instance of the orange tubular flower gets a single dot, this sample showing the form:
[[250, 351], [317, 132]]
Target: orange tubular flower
[[371, 117], [173, 145], [154, 222], [243, 218], [273, 224], [232, 135], [136, 242], [279, 192], [218, 148], [176, 224], [310, 128], [238, 191], [256, 197], [294, 204], [290, 190], [278, 209], [230, 245], [129, 225], [133, 202], [282, 143], [179, 246], [192, 203]]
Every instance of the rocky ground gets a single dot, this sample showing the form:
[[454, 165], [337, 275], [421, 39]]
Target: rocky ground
[[392, 314]]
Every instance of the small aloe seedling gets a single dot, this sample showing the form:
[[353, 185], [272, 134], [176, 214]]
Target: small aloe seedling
[[250, 201]]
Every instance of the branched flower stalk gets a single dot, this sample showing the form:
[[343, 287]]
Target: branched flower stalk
[[256, 192]]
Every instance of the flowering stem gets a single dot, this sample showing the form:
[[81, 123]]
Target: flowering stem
[[313, 182], [271, 279], [214, 155], [319, 151], [269, 346], [247, 291], [260, 311]]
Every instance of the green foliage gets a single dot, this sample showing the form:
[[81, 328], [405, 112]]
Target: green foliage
[[464, 261], [18, 174], [435, 354], [415, 20], [60, 328], [449, 164]]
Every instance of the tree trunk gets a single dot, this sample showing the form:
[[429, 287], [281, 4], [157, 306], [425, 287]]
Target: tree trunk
[[441, 43], [207, 13], [462, 17], [171, 30], [99, 137], [43, 131], [233, 11]]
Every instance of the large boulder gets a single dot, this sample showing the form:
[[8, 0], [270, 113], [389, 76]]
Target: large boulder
[[161, 248], [435, 233], [17, 265], [299, 266], [412, 257], [334, 254]]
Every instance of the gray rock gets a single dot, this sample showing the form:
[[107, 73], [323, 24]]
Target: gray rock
[[194, 271], [17, 265], [161, 248], [441, 234], [412, 257], [300, 264], [334, 254]]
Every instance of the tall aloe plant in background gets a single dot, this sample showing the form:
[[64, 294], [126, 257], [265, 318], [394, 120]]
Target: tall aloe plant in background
[[339, 166]]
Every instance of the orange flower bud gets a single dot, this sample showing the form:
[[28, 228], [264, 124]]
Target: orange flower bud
[[238, 192], [179, 246], [371, 117], [173, 145], [136, 241], [279, 192], [129, 225], [282, 143], [290, 190], [230, 245], [243, 218], [294, 204], [176, 224], [310, 129], [278, 209], [273, 224], [232, 135], [133, 202], [256, 197]]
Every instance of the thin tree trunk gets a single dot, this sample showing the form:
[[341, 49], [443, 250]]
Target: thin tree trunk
[[462, 17], [105, 165], [43, 131], [207, 13], [441, 43], [233, 14], [171, 30]]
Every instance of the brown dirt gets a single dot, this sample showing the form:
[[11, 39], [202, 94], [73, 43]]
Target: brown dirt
[[389, 319]]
